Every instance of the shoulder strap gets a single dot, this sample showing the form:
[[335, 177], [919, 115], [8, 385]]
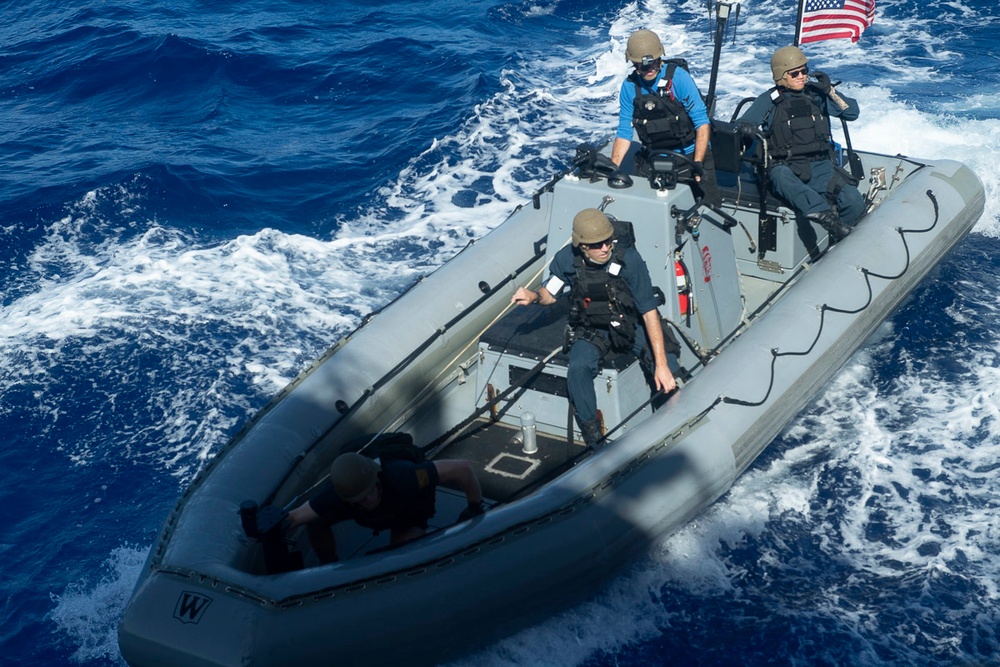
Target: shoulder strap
[[671, 68], [776, 96], [624, 232], [674, 63]]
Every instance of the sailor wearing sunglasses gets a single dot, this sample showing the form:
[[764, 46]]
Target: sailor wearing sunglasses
[[612, 308], [661, 103], [794, 117]]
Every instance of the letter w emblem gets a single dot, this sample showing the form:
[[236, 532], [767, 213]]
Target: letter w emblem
[[191, 607]]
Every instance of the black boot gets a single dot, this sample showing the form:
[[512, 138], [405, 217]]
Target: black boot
[[591, 432], [829, 221]]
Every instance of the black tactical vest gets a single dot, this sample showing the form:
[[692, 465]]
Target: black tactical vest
[[660, 120], [797, 128], [396, 510], [600, 298]]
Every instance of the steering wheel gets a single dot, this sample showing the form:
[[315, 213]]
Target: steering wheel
[[667, 169]]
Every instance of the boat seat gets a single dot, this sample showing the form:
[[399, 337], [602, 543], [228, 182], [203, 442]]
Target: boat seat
[[736, 173], [532, 332], [736, 176]]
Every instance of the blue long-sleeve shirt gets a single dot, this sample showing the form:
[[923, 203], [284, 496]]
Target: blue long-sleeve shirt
[[685, 90]]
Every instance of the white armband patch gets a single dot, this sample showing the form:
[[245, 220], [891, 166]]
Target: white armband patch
[[553, 285]]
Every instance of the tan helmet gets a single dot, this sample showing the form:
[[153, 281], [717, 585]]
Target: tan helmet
[[643, 43], [591, 226], [786, 58], [353, 476]]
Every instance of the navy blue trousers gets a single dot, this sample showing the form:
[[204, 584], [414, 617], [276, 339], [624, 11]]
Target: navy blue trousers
[[810, 196], [584, 365]]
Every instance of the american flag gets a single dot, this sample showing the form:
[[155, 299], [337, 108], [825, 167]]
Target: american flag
[[834, 19]]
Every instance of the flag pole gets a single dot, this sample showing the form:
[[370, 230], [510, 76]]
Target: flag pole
[[798, 22]]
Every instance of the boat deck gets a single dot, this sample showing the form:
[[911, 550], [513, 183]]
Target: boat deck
[[518, 365], [504, 469]]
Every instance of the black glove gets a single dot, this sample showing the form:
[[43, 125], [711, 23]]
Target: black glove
[[474, 509], [698, 169], [747, 130], [822, 82]]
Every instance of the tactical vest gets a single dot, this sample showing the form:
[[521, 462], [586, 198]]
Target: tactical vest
[[600, 298], [797, 128], [660, 120], [396, 510]]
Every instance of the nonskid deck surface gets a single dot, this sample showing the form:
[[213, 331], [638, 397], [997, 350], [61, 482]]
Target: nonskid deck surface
[[504, 469], [495, 448]]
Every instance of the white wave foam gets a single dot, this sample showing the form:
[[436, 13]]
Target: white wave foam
[[256, 309], [877, 505], [86, 614]]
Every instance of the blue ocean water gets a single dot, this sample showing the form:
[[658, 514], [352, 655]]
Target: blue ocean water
[[200, 196]]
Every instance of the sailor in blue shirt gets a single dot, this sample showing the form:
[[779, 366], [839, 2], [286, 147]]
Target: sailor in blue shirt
[[669, 114]]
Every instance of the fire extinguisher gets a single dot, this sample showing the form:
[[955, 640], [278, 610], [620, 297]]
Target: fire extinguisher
[[683, 288]]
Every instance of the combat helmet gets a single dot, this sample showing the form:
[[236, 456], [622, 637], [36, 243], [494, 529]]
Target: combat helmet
[[643, 43], [786, 58], [353, 476], [591, 226]]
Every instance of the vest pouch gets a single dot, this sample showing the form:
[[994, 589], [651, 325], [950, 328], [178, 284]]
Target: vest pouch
[[594, 338], [622, 334], [621, 328], [805, 139]]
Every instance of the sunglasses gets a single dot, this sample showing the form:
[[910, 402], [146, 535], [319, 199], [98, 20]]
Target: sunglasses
[[794, 74], [599, 245], [648, 64]]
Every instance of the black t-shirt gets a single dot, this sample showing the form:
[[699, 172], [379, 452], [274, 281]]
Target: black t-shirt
[[407, 499]]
